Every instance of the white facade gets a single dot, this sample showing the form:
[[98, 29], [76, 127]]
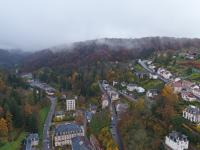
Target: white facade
[[140, 90], [131, 87], [153, 76], [164, 73], [70, 104], [192, 113], [176, 141]]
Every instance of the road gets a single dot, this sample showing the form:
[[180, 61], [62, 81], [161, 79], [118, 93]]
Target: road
[[130, 98], [143, 64], [46, 138], [114, 121]]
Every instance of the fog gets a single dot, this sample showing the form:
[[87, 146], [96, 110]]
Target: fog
[[39, 24]]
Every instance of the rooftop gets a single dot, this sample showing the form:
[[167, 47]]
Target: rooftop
[[81, 143], [175, 136], [68, 127]]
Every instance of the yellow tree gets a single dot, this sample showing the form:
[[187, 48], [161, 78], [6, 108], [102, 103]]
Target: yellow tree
[[3, 128]]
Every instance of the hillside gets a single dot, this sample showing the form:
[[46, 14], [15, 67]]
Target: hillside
[[9, 58], [87, 52]]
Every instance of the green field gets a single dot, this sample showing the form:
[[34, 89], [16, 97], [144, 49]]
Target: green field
[[42, 117], [15, 145]]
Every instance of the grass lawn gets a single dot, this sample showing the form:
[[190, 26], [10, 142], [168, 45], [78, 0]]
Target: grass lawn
[[42, 117], [15, 145]]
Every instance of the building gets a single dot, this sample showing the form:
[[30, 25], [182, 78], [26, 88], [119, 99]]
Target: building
[[93, 108], [120, 107], [192, 113], [131, 87], [176, 141], [140, 90], [31, 141], [164, 73], [105, 84], [123, 84], [88, 116], [70, 104], [104, 101], [81, 143], [59, 115], [114, 95], [153, 76], [188, 96], [64, 133], [152, 93]]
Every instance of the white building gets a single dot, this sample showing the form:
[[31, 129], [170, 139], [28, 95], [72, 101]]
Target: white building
[[177, 141], [131, 87], [188, 96], [153, 76], [164, 73], [152, 93], [70, 104], [65, 132], [192, 113], [140, 90]]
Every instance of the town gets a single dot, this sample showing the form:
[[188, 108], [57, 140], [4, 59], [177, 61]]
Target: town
[[68, 124]]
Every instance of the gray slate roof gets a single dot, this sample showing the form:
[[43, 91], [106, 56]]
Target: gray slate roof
[[69, 128]]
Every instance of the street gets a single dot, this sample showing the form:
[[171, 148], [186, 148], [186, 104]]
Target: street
[[46, 138], [142, 63], [114, 120]]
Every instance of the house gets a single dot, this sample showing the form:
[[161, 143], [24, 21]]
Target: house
[[164, 73], [93, 108], [81, 143], [152, 93], [59, 115], [31, 141], [192, 113], [88, 116], [120, 107], [196, 92], [70, 104], [149, 62], [105, 84], [114, 95], [131, 87], [64, 133], [123, 84], [141, 75], [180, 85], [188, 96], [104, 101], [152, 67], [140, 90], [50, 91], [115, 83], [176, 141], [153, 76]]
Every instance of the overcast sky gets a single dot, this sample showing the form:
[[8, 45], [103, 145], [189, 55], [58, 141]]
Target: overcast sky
[[38, 24]]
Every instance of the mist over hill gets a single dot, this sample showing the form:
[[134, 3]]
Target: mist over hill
[[107, 49]]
